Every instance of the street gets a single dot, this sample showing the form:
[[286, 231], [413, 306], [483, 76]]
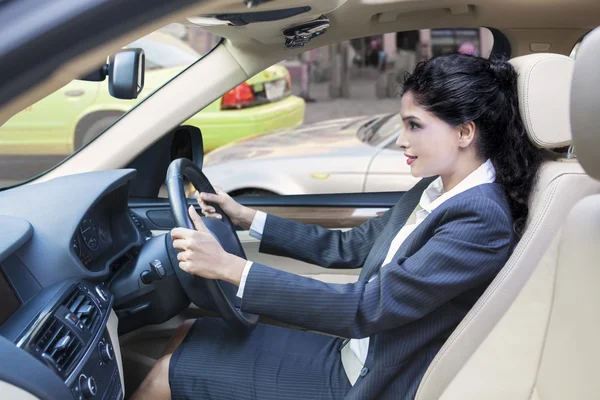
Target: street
[[362, 102]]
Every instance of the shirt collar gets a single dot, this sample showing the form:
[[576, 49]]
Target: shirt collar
[[434, 195]]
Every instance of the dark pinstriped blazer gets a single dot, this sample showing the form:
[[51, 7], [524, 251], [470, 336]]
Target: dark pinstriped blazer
[[413, 304]]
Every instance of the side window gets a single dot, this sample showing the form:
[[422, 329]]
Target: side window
[[317, 123]]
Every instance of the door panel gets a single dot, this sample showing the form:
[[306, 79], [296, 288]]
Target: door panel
[[336, 211], [327, 217], [328, 210]]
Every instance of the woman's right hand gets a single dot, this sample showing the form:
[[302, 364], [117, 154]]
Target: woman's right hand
[[237, 213]]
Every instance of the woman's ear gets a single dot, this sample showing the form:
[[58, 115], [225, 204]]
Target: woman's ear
[[466, 133]]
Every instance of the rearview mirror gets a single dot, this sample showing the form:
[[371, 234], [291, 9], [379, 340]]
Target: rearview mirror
[[125, 71], [126, 74]]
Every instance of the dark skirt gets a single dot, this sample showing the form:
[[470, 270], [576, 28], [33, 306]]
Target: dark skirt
[[213, 362]]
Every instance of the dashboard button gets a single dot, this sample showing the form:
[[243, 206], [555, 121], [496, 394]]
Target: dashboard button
[[87, 386], [158, 267], [106, 352], [101, 293]]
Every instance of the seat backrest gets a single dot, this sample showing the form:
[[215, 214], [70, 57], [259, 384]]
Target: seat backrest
[[543, 85], [568, 367], [545, 346]]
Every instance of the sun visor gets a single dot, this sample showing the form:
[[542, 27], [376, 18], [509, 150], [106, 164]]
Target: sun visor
[[241, 19]]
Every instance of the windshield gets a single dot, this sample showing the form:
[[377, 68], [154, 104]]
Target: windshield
[[379, 129], [47, 132]]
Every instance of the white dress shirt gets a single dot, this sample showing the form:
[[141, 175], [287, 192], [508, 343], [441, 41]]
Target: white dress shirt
[[431, 199]]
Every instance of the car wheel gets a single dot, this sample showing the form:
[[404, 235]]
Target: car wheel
[[89, 129]]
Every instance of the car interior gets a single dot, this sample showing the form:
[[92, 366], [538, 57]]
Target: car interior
[[89, 282]]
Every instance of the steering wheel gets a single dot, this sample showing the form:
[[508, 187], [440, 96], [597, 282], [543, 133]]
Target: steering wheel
[[222, 293]]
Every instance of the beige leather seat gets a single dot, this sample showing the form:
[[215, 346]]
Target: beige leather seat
[[485, 358]]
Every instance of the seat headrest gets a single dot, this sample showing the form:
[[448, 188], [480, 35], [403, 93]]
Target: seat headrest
[[585, 104], [544, 84]]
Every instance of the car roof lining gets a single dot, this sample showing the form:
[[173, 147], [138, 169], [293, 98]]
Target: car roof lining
[[353, 19]]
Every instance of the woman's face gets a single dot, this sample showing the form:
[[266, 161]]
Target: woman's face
[[430, 145]]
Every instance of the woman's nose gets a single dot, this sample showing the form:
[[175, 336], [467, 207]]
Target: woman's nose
[[401, 142]]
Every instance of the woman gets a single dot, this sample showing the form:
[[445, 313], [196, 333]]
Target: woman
[[424, 263]]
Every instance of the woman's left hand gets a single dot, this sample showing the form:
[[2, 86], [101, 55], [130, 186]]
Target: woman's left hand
[[200, 253]]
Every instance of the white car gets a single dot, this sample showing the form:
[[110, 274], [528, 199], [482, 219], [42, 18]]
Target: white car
[[337, 156]]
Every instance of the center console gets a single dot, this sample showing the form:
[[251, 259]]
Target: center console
[[65, 329]]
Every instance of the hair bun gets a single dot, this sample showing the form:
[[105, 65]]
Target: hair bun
[[504, 73]]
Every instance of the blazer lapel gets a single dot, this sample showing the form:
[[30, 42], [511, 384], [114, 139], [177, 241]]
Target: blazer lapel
[[406, 206], [406, 244]]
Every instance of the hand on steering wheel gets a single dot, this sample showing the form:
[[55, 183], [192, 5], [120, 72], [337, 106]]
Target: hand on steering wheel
[[239, 214], [202, 255]]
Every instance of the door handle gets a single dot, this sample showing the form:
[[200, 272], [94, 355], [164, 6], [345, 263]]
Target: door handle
[[75, 93]]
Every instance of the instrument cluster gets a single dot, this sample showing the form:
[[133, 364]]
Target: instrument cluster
[[92, 239]]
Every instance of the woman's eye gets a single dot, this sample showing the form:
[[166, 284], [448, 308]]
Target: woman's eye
[[413, 125]]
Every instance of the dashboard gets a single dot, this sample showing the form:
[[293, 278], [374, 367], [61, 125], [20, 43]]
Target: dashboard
[[76, 226], [74, 261], [60, 243]]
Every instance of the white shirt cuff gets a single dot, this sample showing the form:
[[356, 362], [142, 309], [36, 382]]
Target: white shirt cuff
[[245, 272], [258, 225]]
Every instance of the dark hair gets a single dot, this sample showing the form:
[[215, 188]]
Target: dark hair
[[459, 88]]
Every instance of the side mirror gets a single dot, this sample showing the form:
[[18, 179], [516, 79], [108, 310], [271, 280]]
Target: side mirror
[[125, 71], [126, 74]]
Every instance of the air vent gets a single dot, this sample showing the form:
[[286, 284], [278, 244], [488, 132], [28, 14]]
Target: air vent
[[82, 306], [58, 345]]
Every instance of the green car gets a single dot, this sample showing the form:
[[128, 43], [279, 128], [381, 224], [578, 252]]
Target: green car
[[74, 115]]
